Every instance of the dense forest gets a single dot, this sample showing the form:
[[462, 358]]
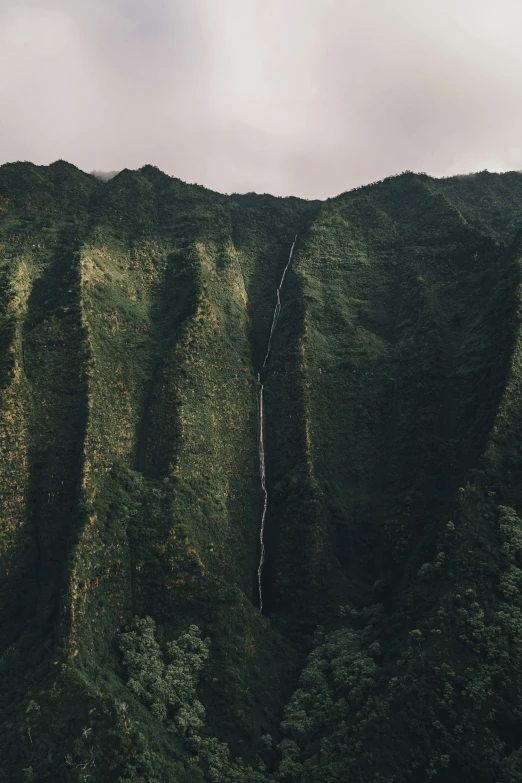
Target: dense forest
[[135, 315]]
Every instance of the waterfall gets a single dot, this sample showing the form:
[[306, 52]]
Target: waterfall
[[278, 304], [262, 470]]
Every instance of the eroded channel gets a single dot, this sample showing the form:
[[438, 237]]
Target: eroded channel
[[262, 455]]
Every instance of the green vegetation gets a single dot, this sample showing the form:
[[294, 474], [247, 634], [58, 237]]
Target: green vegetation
[[134, 317]]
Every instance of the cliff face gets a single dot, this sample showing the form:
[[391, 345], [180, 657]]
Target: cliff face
[[135, 316]]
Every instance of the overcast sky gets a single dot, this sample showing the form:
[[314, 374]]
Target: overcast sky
[[303, 97]]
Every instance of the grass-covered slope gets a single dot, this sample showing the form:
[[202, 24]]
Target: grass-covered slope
[[135, 315]]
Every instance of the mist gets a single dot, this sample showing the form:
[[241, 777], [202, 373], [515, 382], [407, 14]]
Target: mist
[[105, 176]]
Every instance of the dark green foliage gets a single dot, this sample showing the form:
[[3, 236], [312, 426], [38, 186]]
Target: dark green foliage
[[166, 687], [134, 317]]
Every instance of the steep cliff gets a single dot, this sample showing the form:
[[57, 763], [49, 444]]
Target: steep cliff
[[135, 315]]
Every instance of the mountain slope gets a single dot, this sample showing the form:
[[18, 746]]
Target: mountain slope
[[135, 319]]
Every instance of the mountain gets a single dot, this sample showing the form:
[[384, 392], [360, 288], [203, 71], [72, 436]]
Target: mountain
[[136, 317]]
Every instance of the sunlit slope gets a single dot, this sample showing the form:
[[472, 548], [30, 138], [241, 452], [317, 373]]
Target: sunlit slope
[[44, 403], [130, 410]]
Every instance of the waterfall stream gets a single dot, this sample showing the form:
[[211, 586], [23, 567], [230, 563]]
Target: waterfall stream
[[262, 470]]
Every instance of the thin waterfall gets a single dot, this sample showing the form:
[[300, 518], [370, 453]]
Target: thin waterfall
[[278, 304], [262, 469]]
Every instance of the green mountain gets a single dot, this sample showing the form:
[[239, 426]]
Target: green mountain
[[135, 323]]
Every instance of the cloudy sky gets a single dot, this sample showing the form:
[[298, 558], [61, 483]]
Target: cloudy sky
[[304, 97]]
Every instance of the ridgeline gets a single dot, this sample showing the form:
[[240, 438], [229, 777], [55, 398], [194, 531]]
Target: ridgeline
[[135, 316]]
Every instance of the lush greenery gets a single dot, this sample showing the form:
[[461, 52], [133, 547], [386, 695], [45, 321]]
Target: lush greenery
[[134, 317]]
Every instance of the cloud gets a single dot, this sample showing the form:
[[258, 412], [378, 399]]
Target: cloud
[[105, 176], [304, 97]]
